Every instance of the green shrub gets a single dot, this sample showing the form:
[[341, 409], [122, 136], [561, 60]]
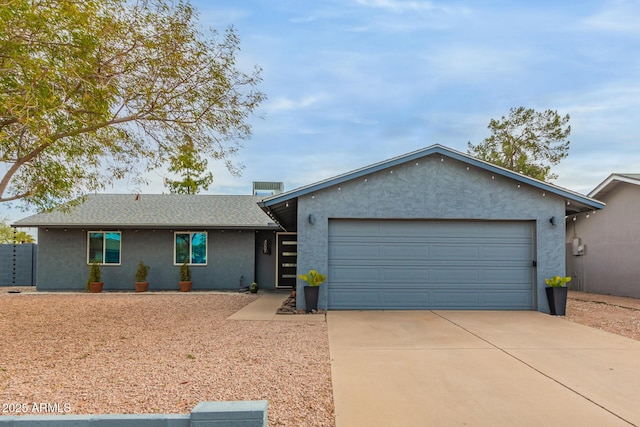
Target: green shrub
[[185, 273], [313, 278], [557, 281], [141, 272]]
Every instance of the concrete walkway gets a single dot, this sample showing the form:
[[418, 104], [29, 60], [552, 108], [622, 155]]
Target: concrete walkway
[[454, 368], [265, 307]]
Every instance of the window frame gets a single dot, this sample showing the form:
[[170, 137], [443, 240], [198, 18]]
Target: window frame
[[191, 233], [104, 247]]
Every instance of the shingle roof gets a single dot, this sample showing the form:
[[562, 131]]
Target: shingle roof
[[157, 210]]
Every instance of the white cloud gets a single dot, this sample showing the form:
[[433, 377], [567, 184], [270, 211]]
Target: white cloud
[[611, 109], [303, 19], [399, 16], [471, 63], [287, 104], [221, 17], [619, 16], [583, 171], [398, 6]]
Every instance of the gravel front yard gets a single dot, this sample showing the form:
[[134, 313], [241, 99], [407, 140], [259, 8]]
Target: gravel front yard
[[160, 353], [618, 315], [164, 353]]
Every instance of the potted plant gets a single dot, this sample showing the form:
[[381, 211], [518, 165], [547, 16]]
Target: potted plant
[[94, 285], [557, 294], [311, 292], [141, 283], [185, 278], [253, 288]]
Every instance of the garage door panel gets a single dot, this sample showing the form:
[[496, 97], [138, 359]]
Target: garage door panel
[[405, 251], [507, 251], [354, 274], [360, 250], [430, 264], [454, 299], [404, 275], [400, 297], [433, 274], [365, 229], [504, 229], [448, 229], [419, 299], [506, 275], [399, 285], [512, 300], [446, 274], [448, 251], [407, 229]]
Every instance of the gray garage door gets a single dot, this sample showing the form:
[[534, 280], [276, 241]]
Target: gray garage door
[[430, 264]]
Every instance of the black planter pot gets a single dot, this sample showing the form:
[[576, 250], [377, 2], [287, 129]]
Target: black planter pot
[[311, 297], [557, 298]]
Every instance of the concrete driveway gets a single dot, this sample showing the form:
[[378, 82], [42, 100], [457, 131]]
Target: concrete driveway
[[479, 368]]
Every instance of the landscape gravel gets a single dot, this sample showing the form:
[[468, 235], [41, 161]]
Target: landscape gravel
[[159, 353], [618, 315], [165, 352]]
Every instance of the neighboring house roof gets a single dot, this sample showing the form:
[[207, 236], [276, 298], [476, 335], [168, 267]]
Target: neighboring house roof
[[157, 210], [278, 205], [612, 181]]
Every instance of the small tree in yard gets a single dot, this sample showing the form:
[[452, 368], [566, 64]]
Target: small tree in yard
[[528, 142], [188, 164], [10, 235]]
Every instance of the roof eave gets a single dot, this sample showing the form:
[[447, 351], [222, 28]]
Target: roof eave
[[610, 181], [590, 204], [152, 226]]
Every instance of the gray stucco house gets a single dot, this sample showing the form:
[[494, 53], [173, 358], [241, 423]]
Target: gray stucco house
[[221, 237], [603, 248], [431, 229], [435, 229]]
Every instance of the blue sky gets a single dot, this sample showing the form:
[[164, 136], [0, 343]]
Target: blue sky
[[353, 82]]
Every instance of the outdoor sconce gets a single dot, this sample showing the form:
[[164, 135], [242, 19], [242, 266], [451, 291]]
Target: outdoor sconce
[[312, 219], [552, 220]]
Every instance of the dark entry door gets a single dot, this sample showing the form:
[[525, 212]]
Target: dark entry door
[[287, 260]]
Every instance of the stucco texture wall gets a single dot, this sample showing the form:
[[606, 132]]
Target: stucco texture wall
[[434, 187], [62, 260], [611, 261]]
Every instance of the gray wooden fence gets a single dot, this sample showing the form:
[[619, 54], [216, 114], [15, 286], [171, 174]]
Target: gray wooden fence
[[18, 264]]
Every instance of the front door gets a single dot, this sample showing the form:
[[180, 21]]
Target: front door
[[287, 260]]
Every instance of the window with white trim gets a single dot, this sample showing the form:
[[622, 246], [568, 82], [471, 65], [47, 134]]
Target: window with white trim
[[104, 247], [190, 246]]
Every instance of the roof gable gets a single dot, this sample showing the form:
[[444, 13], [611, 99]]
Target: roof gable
[[157, 210], [612, 181], [576, 202]]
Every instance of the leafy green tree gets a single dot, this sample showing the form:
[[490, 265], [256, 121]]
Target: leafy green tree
[[9, 235], [93, 90], [188, 164], [528, 142]]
